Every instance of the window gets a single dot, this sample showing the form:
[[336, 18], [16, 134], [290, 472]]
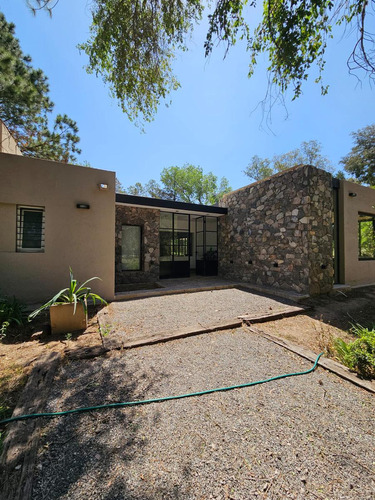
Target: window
[[30, 229], [131, 248], [366, 236]]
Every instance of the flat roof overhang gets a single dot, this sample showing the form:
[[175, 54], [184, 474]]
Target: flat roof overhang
[[169, 205]]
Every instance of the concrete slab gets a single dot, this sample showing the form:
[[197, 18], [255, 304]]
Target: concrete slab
[[203, 283]]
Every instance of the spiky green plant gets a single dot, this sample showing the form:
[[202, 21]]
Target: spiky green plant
[[75, 294], [11, 311], [358, 355]]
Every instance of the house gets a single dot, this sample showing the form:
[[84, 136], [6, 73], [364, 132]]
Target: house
[[298, 230]]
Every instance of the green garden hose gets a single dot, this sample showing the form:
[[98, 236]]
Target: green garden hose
[[156, 400]]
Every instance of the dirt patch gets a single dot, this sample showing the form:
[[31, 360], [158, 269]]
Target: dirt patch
[[23, 345], [330, 317]]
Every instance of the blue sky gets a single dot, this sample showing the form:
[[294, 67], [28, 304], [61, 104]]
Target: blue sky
[[211, 122]]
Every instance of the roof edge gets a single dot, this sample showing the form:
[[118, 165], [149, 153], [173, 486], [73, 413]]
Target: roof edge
[[129, 199]]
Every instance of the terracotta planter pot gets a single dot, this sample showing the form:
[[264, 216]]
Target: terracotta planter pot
[[64, 321]]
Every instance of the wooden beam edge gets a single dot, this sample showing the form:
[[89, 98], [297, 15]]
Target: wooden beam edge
[[328, 364]]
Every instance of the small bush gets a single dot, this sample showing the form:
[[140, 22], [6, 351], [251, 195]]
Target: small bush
[[358, 355], [11, 311]]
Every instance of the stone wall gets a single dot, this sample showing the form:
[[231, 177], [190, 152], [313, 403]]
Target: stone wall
[[278, 232], [149, 220]]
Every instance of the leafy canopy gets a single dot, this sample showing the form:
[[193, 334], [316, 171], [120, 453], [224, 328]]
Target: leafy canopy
[[187, 183], [360, 161], [133, 43], [309, 153], [25, 105]]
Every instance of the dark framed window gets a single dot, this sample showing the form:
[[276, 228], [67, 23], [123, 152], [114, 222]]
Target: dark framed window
[[30, 229], [131, 248], [366, 236]]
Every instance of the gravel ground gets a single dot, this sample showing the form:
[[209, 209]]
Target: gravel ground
[[137, 319], [306, 437]]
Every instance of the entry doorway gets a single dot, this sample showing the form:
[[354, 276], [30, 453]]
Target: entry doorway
[[175, 245], [206, 245], [188, 243]]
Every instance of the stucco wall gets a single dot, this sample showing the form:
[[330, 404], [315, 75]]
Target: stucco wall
[[82, 239], [352, 270], [278, 232], [149, 220], [7, 143]]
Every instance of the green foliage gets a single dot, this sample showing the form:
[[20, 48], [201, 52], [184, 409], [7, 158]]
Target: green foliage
[[25, 105], [132, 46], [360, 162], [187, 183], [309, 153], [133, 42], [259, 168], [358, 355], [366, 235], [11, 312], [75, 293], [119, 187]]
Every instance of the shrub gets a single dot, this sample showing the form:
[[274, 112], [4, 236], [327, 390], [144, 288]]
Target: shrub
[[11, 311], [358, 355]]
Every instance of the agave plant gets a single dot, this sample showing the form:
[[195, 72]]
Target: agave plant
[[74, 294]]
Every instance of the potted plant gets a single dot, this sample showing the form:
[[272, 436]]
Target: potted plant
[[68, 308]]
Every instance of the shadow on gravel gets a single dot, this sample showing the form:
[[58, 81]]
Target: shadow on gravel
[[79, 452]]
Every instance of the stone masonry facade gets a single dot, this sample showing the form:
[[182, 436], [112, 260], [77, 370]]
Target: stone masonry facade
[[149, 220], [278, 232]]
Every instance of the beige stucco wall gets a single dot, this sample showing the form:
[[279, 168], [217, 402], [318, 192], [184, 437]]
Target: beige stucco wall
[[82, 239], [7, 143], [352, 270]]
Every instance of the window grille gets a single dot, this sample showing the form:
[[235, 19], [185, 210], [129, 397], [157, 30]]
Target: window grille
[[30, 229]]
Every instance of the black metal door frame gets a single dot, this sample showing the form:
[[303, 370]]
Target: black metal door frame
[[205, 266], [174, 268]]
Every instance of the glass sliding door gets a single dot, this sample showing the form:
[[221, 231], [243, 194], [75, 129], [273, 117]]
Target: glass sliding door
[[181, 245], [166, 244], [175, 246], [206, 246]]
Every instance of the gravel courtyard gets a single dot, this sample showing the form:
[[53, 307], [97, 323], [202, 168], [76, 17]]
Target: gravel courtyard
[[137, 319], [306, 437]]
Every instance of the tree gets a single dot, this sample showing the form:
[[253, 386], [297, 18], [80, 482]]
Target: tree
[[25, 105], [133, 42], [259, 168], [309, 153], [187, 183], [360, 161]]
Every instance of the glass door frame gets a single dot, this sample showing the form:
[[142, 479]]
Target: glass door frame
[[175, 267], [208, 264]]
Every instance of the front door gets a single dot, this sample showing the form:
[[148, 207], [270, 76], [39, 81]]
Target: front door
[[206, 246], [174, 245]]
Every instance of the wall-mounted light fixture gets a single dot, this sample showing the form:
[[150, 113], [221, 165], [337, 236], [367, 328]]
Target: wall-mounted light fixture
[[85, 206], [352, 195], [103, 186]]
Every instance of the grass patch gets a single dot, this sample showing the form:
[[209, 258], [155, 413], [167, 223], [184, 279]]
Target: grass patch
[[358, 355]]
